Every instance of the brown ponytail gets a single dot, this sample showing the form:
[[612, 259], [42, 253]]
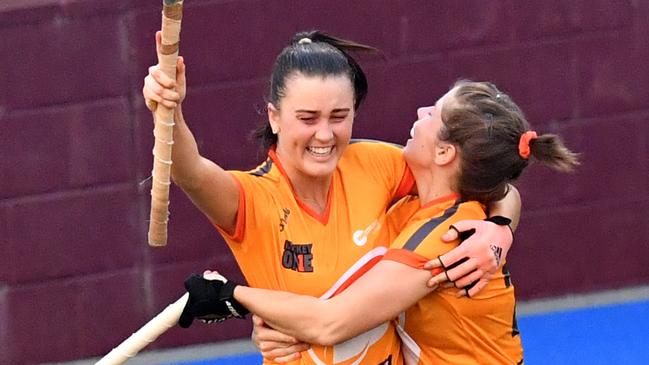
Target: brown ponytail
[[550, 150], [495, 141]]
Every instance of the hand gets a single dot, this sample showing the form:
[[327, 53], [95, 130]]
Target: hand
[[210, 299], [274, 345], [470, 265], [160, 88]]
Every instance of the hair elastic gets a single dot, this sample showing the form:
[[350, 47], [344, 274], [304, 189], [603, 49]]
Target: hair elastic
[[305, 40], [524, 144]]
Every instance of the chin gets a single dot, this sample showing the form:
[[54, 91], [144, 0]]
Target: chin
[[321, 170], [406, 151]]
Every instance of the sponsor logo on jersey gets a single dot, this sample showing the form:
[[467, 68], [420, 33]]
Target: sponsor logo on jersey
[[298, 257], [360, 236], [283, 221]]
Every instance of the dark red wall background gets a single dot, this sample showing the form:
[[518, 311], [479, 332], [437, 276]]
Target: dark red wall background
[[76, 274]]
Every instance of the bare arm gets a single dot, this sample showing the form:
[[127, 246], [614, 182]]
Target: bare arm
[[509, 207], [211, 188], [327, 322]]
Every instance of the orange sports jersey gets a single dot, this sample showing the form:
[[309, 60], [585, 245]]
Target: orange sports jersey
[[281, 244], [378, 346], [442, 328]]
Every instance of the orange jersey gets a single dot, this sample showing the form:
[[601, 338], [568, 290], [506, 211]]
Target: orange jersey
[[378, 346], [442, 328], [281, 244]]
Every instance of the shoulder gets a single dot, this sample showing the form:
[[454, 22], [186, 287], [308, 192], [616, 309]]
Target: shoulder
[[366, 151], [266, 172], [370, 145], [471, 210]]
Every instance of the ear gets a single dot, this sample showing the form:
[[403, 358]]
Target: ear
[[273, 117], [445, 153]]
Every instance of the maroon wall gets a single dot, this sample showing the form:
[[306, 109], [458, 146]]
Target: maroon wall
[[76, 274]]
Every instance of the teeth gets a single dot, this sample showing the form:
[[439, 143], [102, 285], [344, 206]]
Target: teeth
[[320, 150]]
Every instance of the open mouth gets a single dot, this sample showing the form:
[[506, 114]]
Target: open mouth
[[320, 151]]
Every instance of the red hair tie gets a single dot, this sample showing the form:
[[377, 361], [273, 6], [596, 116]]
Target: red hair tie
[[524, 144]]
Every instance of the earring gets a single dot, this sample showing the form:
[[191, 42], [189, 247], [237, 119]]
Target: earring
[[275, 130]]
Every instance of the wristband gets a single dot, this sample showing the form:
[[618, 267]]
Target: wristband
[[501, 221]]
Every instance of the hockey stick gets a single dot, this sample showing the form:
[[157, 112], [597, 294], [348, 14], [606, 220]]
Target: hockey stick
[[164, 126], [148, 333]]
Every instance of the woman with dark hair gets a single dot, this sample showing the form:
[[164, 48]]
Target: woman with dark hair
[[464, 152], [307, 214]]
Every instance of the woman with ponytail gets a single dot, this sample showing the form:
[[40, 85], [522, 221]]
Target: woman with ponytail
[[310, 212], [464, 152]]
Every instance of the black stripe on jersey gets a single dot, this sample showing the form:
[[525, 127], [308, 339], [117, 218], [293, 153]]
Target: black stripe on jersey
[[507, 276], [423, 231], [357, 140], [263, 169]]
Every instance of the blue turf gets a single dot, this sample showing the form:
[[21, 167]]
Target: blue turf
[[615, 334], [244, 359], [607, 335]]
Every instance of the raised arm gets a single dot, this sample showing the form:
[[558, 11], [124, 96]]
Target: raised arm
[[212, 189]]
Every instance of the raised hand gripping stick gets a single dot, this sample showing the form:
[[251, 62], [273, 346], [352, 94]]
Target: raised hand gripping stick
[[164, 126]]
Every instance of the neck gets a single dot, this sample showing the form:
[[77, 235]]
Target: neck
[[314, 194], [432, 185], [311, 190]]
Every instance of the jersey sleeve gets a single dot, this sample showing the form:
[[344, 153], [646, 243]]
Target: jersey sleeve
[[384, 162], [254, 201], [415, 247]]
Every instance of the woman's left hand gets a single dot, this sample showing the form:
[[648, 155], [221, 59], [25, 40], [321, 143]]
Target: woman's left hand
[[274, 345], [470, 265]]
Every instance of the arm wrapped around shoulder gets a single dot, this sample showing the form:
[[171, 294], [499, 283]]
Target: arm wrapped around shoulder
[[211, 300]]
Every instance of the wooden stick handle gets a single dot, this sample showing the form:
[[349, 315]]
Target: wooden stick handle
[[164, 126], [147, 334]]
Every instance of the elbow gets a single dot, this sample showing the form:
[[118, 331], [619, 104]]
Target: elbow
[[184, 184], [190, 177], [330, 333]]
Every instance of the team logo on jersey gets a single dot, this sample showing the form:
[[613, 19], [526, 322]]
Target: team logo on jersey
[[297, 257], [360, 236]]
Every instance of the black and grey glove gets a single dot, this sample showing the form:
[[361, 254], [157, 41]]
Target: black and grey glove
[[210, 301]]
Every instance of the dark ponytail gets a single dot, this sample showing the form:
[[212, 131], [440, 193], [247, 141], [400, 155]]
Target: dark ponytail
[[313, 53]]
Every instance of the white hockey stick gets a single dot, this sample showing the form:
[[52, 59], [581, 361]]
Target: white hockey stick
[[148, 333]]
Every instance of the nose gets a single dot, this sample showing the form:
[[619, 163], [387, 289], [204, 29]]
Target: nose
[[324, 133], [420, 112], [424, 111]]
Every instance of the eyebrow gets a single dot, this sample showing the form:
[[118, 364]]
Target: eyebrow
[[315, 112]]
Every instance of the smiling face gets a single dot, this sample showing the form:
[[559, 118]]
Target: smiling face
[[421, 148], [313, 123]]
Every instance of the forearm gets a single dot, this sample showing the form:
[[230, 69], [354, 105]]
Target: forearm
[[509, 206], [186, 167], [303, 317], [331, 321]]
